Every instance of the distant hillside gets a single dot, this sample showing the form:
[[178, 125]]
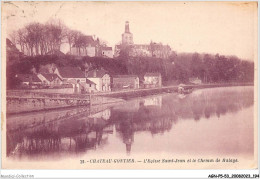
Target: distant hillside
[[179, 67]]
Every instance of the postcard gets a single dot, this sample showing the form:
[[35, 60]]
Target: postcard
[[129, 85]]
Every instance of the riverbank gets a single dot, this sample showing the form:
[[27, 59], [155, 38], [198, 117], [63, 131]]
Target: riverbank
[[20, 101], [127, 94]]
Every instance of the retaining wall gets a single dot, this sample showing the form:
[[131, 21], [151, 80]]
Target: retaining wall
[[27, 101]]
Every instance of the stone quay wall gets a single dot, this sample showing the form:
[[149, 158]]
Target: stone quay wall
[[18, 101]]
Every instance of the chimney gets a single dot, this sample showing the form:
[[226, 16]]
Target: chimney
[[127, 27]]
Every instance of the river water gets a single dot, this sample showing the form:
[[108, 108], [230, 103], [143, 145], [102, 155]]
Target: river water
[[216, 121]]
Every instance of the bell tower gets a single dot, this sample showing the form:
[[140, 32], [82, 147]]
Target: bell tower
[[127, 36]]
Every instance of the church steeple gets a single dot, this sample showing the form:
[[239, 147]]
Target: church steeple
[[127, 27], [127, 36]]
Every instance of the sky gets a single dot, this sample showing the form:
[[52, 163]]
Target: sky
[[227, 28]]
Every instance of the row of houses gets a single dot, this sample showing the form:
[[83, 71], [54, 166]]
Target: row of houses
[[98, 80]]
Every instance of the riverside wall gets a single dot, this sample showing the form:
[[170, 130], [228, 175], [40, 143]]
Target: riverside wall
[[18, 101]]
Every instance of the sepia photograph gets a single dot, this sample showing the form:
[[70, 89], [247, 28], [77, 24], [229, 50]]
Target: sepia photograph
[[129, 85]]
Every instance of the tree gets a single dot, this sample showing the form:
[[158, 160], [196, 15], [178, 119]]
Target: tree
[[70, 37], [39, 39], [209, 64]]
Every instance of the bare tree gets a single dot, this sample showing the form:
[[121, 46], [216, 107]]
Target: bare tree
[[41, 39], [69, 35], [102, 42]]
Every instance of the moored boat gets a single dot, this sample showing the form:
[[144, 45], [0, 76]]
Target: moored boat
[[182, 89]]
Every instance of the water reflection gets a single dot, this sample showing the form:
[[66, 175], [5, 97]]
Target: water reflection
[[77, 131]]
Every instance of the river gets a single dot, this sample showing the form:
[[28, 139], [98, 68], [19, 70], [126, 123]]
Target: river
[[216, 121]]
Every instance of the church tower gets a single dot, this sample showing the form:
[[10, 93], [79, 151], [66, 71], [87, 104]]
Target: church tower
[[127, 37]]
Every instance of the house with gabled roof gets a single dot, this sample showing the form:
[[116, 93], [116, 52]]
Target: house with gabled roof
[[68, 74], [90, 86], [76, 77], [50, 79], [101, 78], [71, 75]]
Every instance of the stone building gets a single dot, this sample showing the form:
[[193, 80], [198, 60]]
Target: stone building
[[107, 52], [101, 78], [68, 74], [50, 79], [90, 49], [152, 49], [125, 82]]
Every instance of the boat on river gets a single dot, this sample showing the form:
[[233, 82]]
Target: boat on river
[[183, 89]]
